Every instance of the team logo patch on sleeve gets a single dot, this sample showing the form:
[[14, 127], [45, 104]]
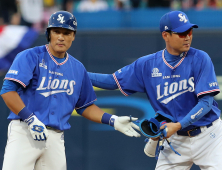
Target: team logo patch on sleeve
[[15, 72]]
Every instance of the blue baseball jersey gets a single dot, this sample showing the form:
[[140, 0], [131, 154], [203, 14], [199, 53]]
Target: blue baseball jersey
[[50, 89], [172, 89]]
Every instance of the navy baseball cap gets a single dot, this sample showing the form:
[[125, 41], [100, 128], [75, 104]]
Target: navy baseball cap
[[175, 21]]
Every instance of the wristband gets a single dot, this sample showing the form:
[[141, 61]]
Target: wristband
[[24, 113], [108, 119], [105, 118]]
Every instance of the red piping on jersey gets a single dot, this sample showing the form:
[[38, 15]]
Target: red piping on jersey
[[114, 76], [16, 81], [67, 56], [207, 92], [85, 105], [176, 64]]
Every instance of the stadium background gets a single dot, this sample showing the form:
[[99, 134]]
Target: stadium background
[[105, 42]]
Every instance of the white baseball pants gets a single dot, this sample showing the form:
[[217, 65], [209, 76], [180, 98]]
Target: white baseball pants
[[22, 152], [205, 150]]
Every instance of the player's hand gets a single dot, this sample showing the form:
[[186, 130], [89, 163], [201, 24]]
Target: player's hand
[[150, 147], [37, 128], [124, 125], [171, 128]]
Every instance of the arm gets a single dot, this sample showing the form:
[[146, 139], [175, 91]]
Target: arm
[[93, 113], [13, 101], [122, 124], [104, 81], [203, 106], [11, 97], [16, 105]]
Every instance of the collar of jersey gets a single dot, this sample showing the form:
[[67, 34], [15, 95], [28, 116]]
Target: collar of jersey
[[67, 56], [176, 64]]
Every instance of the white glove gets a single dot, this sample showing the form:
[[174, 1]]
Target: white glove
[[36, 128], [150, 148], [124, 125]]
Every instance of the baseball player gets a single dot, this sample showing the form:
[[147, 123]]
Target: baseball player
[[42, 88], [181, 82]]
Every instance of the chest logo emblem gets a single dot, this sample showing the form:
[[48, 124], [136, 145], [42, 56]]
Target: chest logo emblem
[[155, 73]]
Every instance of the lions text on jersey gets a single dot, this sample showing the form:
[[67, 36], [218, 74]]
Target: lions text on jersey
[[51, 90]]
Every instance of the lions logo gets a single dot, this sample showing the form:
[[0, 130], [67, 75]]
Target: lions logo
[[182, 18], [61, 18]]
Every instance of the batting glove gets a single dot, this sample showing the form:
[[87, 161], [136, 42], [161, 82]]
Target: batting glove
[[125, 125], [150, 147], [36, 128]]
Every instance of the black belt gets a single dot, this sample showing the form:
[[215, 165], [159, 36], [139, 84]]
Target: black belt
[[51, 128], [192, 132]]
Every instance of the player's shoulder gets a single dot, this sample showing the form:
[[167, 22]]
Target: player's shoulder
[[40, 49], [150, 57], [34, 50], [74, 61], [198, 54], [30, 53]]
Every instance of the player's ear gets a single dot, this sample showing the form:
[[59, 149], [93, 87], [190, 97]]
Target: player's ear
[[74, 36], [165, 35]]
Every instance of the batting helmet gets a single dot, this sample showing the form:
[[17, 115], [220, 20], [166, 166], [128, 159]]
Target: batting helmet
[[61, 19]]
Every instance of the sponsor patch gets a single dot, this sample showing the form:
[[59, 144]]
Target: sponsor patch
[[213, 84], [155, 73], [196, 114], [15, 72]]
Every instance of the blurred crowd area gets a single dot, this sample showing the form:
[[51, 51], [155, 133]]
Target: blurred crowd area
[[35, 13]]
